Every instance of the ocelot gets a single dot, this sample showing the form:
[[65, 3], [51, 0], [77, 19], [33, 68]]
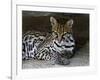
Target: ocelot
[[58, 46]]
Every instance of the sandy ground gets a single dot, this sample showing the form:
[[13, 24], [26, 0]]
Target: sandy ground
[[80, 59]]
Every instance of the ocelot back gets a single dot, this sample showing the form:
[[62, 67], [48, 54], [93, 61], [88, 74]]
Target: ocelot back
[[59, 46]]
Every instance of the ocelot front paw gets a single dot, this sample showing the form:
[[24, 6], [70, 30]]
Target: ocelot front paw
[[62, 61], [67, 54]]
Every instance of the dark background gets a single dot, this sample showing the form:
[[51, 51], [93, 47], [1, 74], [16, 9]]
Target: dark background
[[39, 21]]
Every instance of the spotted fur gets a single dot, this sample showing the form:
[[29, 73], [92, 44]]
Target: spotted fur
[[59, 46]]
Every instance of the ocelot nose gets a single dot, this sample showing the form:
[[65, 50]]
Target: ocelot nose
[[59, 39]]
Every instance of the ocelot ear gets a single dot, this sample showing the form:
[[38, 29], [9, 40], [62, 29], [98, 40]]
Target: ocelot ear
[[70, 23], [53, 21]]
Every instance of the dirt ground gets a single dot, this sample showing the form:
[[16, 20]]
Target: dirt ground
[[81, 58]]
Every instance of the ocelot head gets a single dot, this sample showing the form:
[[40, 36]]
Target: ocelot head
[[60, 26]]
